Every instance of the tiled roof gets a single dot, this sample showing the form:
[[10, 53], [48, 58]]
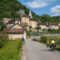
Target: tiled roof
[[25, 16], [48, 24], [13, 20], [13, 31]]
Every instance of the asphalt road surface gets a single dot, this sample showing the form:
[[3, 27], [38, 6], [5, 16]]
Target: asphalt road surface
[[37, 51]]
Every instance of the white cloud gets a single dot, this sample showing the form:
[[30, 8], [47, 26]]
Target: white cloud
[[56, 10], [38, 3]]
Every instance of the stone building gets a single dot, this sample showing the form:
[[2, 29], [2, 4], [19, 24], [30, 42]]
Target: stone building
[[15, 31]]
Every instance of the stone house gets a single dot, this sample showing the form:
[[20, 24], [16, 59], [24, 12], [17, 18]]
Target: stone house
[[49, 25], [43, 26], [54, 26], [33, 23], [6, 20], [29, 21], [16, 31]]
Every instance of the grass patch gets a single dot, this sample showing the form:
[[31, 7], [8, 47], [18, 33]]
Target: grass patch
[[11, 50], [58, 47]]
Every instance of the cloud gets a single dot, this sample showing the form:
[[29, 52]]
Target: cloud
[[56, 10], [38, 3]]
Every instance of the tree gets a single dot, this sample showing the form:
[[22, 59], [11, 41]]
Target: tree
[[55, 18], [46, 18], [3, 27], [30, 27], [38, 28]]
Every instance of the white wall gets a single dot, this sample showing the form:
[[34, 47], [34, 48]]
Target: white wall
[[15, 36]]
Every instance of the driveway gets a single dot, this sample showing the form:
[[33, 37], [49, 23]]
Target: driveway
[[37, 51]]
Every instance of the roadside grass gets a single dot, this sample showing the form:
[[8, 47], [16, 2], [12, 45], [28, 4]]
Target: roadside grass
[[44, 39], [58, 47], [11, 50]]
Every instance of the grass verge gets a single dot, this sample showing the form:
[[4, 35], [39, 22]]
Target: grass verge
[[11, 50], [58, 47]]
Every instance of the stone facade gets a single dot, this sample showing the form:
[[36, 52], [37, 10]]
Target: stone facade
[[15, 36]]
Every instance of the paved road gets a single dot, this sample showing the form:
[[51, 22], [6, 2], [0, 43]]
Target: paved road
[[37, 51]]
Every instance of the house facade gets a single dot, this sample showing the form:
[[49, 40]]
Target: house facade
[[15, 32], [49, 25]]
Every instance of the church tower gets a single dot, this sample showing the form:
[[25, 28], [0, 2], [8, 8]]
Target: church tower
[[30, 14]]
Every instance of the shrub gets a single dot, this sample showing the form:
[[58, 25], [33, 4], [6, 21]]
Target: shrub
[[43, 39], [3, 39]]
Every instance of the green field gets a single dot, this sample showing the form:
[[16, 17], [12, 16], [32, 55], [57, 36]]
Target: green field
[[11, 50]]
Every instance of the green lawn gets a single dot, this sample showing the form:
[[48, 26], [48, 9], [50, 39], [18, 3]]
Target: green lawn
[[11, 50]]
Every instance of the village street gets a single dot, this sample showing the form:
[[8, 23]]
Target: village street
[[37, 51]]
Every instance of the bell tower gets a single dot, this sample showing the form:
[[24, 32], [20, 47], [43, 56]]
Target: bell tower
[[30, 14]]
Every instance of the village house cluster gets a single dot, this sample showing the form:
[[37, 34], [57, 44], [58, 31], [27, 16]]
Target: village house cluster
[[16, 28]]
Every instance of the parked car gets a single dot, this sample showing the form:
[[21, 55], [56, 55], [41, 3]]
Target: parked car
[[34, 39]]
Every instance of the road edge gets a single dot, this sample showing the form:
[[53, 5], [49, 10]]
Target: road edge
[[23, 54]]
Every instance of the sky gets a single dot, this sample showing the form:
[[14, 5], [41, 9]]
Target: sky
[[51, 7]]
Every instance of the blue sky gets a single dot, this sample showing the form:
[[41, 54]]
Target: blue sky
[[51, 7]]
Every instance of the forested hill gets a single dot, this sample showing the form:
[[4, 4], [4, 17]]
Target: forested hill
[[8, 8]]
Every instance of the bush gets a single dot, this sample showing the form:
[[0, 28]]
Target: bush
[[44, 39], [3, 39], [1, 44]]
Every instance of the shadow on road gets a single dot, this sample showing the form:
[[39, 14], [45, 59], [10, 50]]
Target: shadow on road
[[45, 50]]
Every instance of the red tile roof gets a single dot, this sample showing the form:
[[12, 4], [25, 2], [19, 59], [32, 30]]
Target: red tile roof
[[48, 24], [25, 16], [13, 20], [13, 31]]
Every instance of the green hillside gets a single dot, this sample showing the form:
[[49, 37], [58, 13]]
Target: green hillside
[[9, 8]]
